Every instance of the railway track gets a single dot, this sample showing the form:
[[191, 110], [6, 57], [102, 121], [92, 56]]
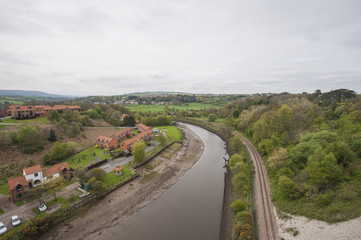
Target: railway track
[[267, 226]]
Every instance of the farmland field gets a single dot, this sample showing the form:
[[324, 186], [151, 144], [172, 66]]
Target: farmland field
[[160, 108]]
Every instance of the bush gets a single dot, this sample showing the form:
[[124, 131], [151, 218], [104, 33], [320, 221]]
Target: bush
[[212, 117], [238, 206], [288, 188], [323, 200], [244, 218]]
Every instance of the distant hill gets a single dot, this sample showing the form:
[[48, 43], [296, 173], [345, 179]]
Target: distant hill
[[154, 93], [24, 93]]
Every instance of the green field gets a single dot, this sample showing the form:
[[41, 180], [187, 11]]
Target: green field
[[85, 157], [4, 189], [11, 100], [160, 108], [172, 132], [38, 120]]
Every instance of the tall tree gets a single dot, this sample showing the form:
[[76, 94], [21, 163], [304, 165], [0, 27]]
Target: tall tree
[[138, 150]]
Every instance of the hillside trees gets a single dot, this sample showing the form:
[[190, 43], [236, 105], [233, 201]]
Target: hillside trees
[[30, 139]]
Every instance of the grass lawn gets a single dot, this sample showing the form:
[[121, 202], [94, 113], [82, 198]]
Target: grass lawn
[[111, 179], [1, 211], [85, 157], [4, 190], [19, 203], [16, 102], [160, 108], [172, 132], [106, 156], [38, 120]]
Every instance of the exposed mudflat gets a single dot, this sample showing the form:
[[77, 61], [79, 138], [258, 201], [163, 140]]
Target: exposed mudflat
[[130, 198]]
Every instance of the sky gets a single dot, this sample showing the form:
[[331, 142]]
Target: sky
[[113, 47]]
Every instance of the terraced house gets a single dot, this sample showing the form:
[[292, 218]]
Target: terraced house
[[107, 143], [122, 134], [24, 112]]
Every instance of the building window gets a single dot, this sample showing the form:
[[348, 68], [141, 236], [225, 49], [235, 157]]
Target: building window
[[18, 195], [19, 188], [35, 174]]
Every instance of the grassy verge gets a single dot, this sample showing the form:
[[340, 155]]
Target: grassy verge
[[4, 190], [1, 211], [172, 132], [84, 158], [147, 177], [38, 120], [112, 179], [19, 203]]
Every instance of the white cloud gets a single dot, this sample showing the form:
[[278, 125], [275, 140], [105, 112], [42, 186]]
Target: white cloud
[[228, 46]]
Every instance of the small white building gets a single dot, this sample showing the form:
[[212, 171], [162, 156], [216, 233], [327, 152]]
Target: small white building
[[34, 173]]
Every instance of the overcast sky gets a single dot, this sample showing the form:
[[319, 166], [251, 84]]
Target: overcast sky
[[113, 47]]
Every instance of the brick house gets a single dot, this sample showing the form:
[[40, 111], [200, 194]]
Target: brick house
[[122, 134], [17, 186], [22, 112], [106, 142], [3, 113], [142, 128], [34, 176]]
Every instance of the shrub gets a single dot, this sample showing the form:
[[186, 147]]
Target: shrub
[[238, 206], [288, 188]]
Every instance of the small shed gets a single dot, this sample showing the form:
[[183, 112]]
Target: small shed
[[118, 170]]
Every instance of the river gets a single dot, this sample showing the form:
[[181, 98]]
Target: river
[[191, 209]]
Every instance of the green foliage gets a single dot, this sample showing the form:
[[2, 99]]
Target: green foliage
[[323, 169], [52, 136], [234, 160], [236, 143], [54, 115], [97, 173], [138, 151], [129, 121], [212, 117], [59, 152], [30, 139], [288, 188], [238, 206]]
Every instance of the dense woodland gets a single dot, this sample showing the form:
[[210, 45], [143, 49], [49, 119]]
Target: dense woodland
[[312, 147]]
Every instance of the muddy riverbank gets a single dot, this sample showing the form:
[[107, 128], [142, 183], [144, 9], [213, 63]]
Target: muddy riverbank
[[130, 198]]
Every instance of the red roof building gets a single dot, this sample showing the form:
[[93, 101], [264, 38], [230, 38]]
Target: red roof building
[[17, 186], [145, 136], [106, 142], [123, 134], [35, 175], [22, 112]]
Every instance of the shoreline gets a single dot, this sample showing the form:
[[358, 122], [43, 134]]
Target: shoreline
[[130, 198]]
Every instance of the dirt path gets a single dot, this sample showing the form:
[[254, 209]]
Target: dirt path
[[128, 199], [267, 225]]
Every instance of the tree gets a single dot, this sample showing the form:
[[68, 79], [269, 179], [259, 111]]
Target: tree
[[236, 143], [34, 193], [323, 169], [55, 186], [98, 173], [212, 117], [161, 138], [138, 150], [235, 159], [52, 136], [276, 160], [129, 121], [288, 188], [54, 115], [30, 139]]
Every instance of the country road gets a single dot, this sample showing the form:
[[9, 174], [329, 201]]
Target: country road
[[267, 225]]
